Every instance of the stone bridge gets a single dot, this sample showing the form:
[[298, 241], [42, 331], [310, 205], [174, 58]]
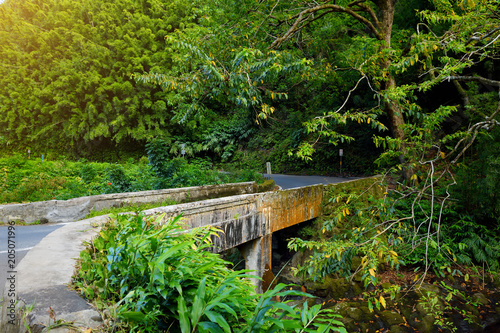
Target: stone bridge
[[247, 221]]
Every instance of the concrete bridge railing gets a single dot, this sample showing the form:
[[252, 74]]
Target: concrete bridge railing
[[56, 211]]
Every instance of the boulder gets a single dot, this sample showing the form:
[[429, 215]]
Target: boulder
[[391, 317]]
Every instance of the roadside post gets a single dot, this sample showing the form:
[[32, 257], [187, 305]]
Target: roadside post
[[341, 153], [268, 167], [183, 150]]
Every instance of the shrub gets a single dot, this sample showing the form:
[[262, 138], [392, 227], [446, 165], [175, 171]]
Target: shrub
[[159, 277]]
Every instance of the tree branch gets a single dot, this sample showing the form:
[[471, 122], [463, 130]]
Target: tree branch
[[304, 18], [473, 78]]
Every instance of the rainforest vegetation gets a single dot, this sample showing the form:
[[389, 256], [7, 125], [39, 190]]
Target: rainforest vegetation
[[407, 89]]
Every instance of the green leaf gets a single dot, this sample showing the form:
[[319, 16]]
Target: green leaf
[[199, 303], [219, 319], [132, 316], [183, 315]]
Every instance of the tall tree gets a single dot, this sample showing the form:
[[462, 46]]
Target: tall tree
[[377, 17]]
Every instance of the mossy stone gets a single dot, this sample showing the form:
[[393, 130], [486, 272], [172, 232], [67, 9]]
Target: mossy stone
[[426, 325], [365, 309], [365, 327], [355, 313], [349, 324], [398, 329], [471, 309], [424, 308], [356, 288], [406, 311], [391, 317], [480, 298], [355, 263], [337, 288], [341, 309], [496, 281], [426, 288]]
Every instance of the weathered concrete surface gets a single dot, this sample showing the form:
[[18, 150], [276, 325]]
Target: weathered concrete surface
[[258, 257], [285, 208], [55, 211]]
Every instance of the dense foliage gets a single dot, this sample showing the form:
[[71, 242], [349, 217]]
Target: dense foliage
[[157, 277], [25, 180], [410, 85], [65, 71]]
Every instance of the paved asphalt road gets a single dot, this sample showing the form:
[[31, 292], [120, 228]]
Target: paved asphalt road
[[287, 181], [28, 236]]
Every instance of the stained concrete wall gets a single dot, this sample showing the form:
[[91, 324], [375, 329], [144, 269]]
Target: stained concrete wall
[[76, 209], [248, 221]]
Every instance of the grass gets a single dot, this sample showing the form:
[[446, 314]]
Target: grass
[[21, 223]]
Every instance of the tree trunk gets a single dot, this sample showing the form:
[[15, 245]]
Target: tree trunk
[[393, 109]]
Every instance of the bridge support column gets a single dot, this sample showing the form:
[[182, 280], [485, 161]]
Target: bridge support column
[[258, 257]]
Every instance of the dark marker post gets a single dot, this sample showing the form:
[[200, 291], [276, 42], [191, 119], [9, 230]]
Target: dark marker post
[[183, 150], [341, 153]]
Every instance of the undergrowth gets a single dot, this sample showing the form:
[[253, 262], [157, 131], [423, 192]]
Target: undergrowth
[[154, 276]]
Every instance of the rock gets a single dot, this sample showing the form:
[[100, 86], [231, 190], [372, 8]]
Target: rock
[[492, 328], [496, 281], [391, 317], [398, 329], [300, 257], [356, 288], [471, 309], [429, 288], [480, 298], [349, 324], [355, 313], [337, 288], [96, 318], [363, 307], [341, 308], [426, 325], [355, 263]]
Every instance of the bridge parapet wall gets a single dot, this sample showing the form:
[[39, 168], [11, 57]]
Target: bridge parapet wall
[[238, 217], [285, 208], [76, 209]]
